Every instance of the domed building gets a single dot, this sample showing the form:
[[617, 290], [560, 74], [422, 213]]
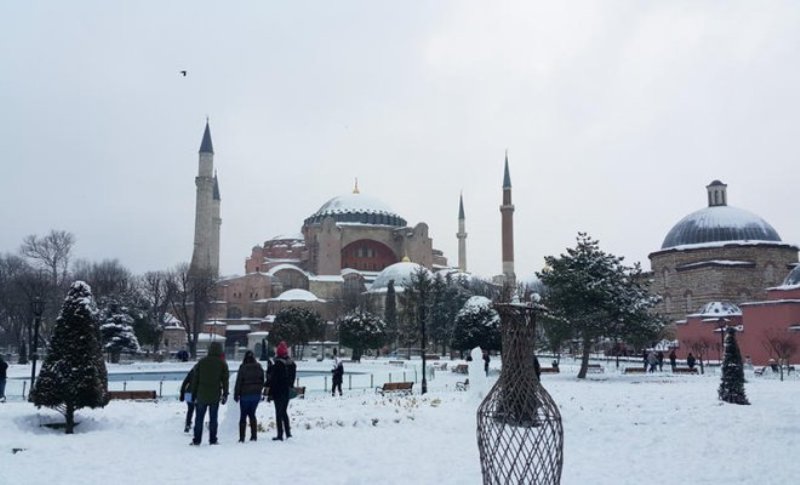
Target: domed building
[[719, 253]]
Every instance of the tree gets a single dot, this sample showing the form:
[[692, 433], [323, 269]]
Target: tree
[[597, 296], [390, 313], [117, 332], [477, 325], [73, 375], [731, 388], [191, 292], [16, 282], [296, 326], [156, 292], [51, 252], [700, 349], [361, 331], [416, 299], [108, 279], [781, 346]]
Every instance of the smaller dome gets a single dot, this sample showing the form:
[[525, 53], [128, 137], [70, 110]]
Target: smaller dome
[[793, 279], [719, 309], [296, 295], [399, 272]]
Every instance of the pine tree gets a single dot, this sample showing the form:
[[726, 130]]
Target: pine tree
[[390, 312], [296, 326], [116, 329], [74, 374], [731, 389], [361, 331], [477, 325]]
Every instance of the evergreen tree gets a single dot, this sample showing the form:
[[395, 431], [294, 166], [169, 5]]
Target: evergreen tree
[[73, 375], [477, 325], [390, 313], [116, 330], [296, 326], [731, 389], [23, 354], [361, 331], [416, 308]]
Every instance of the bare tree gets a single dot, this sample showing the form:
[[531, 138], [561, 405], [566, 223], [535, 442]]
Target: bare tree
[[14, 302], [157, 292], [780, 345], [108, 278], [51, 253], [191, 297], [700, 347]]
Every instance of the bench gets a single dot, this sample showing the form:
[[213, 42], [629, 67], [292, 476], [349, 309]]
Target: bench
[[132, 395], [401, 387], [461, 369], [760, 372], [549, 370], [301, 392], [594, 369], [685, 370], [634, 370], [440, 365], [462, 386], [400, 363]]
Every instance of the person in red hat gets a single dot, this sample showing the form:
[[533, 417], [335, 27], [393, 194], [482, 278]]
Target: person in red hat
[[281, 380]]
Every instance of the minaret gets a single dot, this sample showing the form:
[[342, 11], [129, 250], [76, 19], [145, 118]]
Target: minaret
[[216, 222], [462, 236], [507, 212], [201, 256]]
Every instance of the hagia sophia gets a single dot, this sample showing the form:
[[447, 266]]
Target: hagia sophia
[[719, 259]]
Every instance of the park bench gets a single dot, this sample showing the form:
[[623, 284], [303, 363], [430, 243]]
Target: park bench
[[132, 395], [761, 371], [462, 385], [549, 370], [684, 370], [401, 387], [594, 369], [301, 392], [461, 369], [399, 363], [634, 370]]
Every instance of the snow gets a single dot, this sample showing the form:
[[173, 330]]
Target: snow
[[399, 272], [279, 267], [716, 262], [327, 278], [618, 429], [296, 294], [349, 203], [239, 327], [718, 309], [722, 244]]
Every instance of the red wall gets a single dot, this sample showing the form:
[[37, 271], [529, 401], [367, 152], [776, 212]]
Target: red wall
[[367, 255]]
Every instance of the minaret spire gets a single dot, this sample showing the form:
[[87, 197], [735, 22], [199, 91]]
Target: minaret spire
[[206, 146], [507, 215], [205, 256], [462, 236], [355, 187]]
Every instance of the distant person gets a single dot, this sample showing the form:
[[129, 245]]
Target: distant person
[[3, 377], [183, 355], [338, 376], [537, 368], [673, 358], [280, 380], [690, 360], [660, 360], [652, 361], [748, 362], [486, 361], [644, 359], [209, 390], [773, 365], [247, 392], [186, 396], [555, 364]]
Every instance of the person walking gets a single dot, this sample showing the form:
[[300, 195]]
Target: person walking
[[537, 368], [673, 358], [247, 392], [209, 390], [3, 377], [652, 360], [280, 381], [486, 360], [186, 396], [660, 360], [338, 376], [644, 358], [690, 360]]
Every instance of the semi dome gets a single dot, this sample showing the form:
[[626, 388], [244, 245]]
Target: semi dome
[[793, 279], [296, 294], [357, 208], [399, 272], [718, 224]]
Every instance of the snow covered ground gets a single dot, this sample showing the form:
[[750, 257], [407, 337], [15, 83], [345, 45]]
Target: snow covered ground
[[618, 429]]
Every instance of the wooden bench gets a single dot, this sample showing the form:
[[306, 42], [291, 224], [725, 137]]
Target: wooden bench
[[132, 395], [462, 385], [400, 363], [401, 387], [761, 371], [685, 370], [594, 369], [549, 370], [634, 370], [461, 369]]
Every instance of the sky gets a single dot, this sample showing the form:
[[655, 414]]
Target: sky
[[615, 114]]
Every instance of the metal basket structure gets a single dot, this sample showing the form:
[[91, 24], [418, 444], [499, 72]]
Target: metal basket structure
[[520, 437]]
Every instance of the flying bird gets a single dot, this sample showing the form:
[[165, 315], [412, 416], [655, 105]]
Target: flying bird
[[184, 73]]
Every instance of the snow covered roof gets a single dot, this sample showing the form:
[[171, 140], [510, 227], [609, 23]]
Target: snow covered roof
[[399, 272], [719, 223], [718, 309], [717, 262], [327, 278], [239, 327], [296, 294], [280, 267], [357, 208], [288, 237], [210, 337]]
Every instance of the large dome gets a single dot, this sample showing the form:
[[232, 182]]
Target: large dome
[[793, 279], [357, 208], [399, 272], [717, 224]]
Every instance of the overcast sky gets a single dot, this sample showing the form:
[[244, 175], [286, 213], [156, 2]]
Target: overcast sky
[[616, 115]]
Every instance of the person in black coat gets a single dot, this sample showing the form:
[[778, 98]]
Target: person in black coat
[[186, 396], [338, 377], [280, 381], [247, 392], [486, 360], [690, 360], [3, 376], [537, 368], [673, 359]]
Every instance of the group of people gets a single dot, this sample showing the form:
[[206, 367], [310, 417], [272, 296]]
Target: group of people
[[652, 360], [206, 387]]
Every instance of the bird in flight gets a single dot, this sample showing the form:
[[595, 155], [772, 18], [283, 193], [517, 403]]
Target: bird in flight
[[183, 73]]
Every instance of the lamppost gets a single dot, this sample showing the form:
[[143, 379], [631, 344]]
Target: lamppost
[[37, 306], [423, 317], [722, 325]]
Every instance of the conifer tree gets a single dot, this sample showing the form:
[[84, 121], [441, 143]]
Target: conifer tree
[[731, 389], [74, 374], [361, 331], [477, 325], [116, 330], [390, 312]]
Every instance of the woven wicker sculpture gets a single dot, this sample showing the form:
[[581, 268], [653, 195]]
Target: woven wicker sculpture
[[520, 437]]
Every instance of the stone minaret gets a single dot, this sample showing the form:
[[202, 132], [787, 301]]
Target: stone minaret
[[203, 216], [507, 211], [216, 222], [462, 237]]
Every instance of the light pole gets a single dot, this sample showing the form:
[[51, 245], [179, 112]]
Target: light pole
[[722, 325], [37, 305]]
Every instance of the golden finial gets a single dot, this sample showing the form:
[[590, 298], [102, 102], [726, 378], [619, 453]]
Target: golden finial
[[355, 187]]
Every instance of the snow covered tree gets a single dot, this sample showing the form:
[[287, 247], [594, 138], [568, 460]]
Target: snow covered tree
[[116, 330], [73, 375], [390, 312], [296, 326], [416, 303], [361, 331], [731, 389], [477, 325], [597, 296]]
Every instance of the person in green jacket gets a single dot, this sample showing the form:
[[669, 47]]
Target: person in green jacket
[[209, 390]]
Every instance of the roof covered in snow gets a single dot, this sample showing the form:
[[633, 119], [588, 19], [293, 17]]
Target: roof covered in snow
[[719, 223], [792, 279], [399, 272], [719, 309], [357, 208], [296, 294]]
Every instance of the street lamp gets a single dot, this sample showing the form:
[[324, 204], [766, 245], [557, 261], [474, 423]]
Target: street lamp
[[723, 323], [37, 306]]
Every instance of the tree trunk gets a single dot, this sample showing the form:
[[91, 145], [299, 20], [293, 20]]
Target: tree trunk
[[585, 359], [702, 369], [70, 415]]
